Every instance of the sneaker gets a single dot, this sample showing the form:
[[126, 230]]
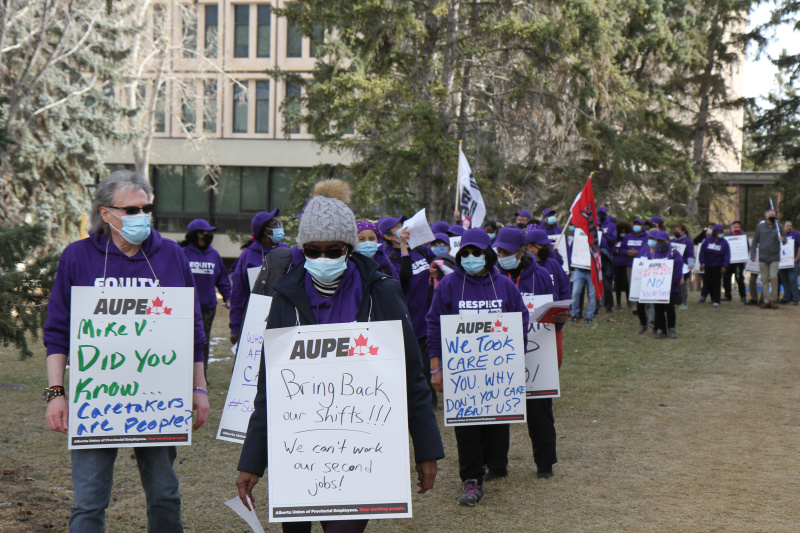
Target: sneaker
[[767, 305], [496, 474], [673, 333], [473, 493], [642, 330], [744, 300], [752, 301], [701, 300], [588, 321], [715, 304], [617, 307], [683, 307], [659, 335], [544, 472], [728, 298]]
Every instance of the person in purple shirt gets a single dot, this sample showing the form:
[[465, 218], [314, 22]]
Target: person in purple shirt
[[456, 230], [209, 274], [607, 243], [122, 251], [474, 285], [369, 247], [682, 237], [267, 234], [665, 319], [490, 227], [788, 276], [523, 218], [518, 265], [620, 260], [736, 270], [632, 243], [715, 256], [549, 222]]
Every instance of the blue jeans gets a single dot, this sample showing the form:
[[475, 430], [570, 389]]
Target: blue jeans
[[583, 278], [788, 278], [92, 478]]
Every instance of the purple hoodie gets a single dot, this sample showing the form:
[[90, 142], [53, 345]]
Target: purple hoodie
[[533, 279], [415, 281], [209, 272], [492, 292], [343, 306], [632, 242], [81, 264], [669, 253], [252, 256], [715, 253], [689, 251], [619, 259]]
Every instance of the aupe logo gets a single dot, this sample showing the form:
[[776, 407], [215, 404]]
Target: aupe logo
[[340, 347], [124, 306]]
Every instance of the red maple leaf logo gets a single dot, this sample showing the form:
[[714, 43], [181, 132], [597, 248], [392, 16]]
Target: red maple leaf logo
[[498, 324], [373, 350], [167, 310], [505, 329], [361, 341], [158, 308], [530, 305], [158, 302], [361, 347], [351, 352]]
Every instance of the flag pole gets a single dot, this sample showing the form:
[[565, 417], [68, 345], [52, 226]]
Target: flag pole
[[458, 176]]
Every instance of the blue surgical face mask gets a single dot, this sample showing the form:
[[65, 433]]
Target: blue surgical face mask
[[720, 235], [507, 263], [637, 228], [473, 265], [326, 270], [277, 235], [571, 228], [135, 228], [439, 250], [662, 245], [651, 243], [368, 248], [492, 235], [551, 220]]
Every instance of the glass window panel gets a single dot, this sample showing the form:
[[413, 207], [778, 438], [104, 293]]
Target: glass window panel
[[158, 22], [281, 186], [212, 31], [195, 199], [210, 106], [264, 34], [262, 107], [254, 189], [169, 189], [317, 38], [229, 186], [188, 112], [160, 122], [189, 15], [293, 90], [294, 41], [241, 31], [239, 109]]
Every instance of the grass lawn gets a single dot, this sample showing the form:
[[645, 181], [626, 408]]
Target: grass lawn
[[695, 434]]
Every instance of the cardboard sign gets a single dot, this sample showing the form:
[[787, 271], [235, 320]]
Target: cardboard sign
[[418, 229], [244, 379], [581, 253], [483, 357], [561, 247], [740, 251], [697, 268], [337, 422], [131, 363], [656, 282], [679, 247], [787, 255], [252, 276], [637, 270], [541, 354], [753, 266], [455, 245]]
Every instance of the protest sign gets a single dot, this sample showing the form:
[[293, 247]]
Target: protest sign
[[697, 268], [787, 255], [418, 229], [639, 264], [560, 245], [455, 245], [679, 247], [581, 254], [131, 363], [656, 282], [252, 275], [752, 265], [337, 422], [242, 389], [740, 252], [541, 354], [483, 358]]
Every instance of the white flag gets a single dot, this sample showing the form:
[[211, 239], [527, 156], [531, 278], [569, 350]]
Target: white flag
[[473, 210]]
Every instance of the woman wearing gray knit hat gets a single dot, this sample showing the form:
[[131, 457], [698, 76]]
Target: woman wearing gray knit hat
[[334, 286]]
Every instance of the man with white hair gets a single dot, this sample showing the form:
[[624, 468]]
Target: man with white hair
[[767, 241]]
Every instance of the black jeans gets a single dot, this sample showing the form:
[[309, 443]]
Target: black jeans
[[542, 430], [665, 313], [641, 310], [737, 271], [426, 367], [478, 443], [608, 283], [621, 282], [712, 278]]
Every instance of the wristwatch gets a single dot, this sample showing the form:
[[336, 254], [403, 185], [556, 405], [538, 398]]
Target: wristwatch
[[52, 392]]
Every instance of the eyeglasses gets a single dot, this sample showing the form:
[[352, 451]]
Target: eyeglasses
[[274, 224], [330, 253], [477, 252], [134, 209]]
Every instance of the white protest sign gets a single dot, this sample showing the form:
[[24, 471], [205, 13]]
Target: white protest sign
[[697, 268], [252, 276], [752, 266], [337, 422], [455, 245], [541, 354], [581, 253], [679, 247], [484, 368], [131, 364], [656, 283], [637, 269], [244, 379], [561, 249], [740, 252], [787, 255], [418, 229]]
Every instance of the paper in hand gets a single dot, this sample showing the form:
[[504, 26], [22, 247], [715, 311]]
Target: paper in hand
[[248, 516], [418, 229], [544, 313]]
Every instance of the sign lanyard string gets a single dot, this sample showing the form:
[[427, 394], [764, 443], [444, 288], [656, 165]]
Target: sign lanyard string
[[105, 265]]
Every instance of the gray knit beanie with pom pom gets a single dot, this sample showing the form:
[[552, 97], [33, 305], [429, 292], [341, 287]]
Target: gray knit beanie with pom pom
[[326, 217]]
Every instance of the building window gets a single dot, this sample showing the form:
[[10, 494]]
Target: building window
[[189, 19], [180, 196], [160, 113], [264, 31], [280, 186], [294, 40], [188, 112], [317, 38], [239, 108], [241, 32], [262, 107], [212, 30], [292, 107], [210, 106]]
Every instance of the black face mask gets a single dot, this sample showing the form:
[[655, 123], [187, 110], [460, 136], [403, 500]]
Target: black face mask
[[522, 225], [601, 217], [195, 239], [543, 253], [678, 235], [772, 219]]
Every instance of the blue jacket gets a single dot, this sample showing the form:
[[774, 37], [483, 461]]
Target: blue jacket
[[209, 274], [378, 293]]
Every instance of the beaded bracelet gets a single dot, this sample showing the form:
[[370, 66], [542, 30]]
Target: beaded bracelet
[[436, 371]]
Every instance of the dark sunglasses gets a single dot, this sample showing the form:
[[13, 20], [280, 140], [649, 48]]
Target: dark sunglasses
[[133, 209], [476, 252], [330, 253]]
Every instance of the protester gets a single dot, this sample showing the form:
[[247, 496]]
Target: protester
[[715, 257], [337, 286], [368, 246], [665, 320], [767, 242], [456, 230], [477, 282], [607, 244], [736, 270], [490, 227], [621, 283], [520, 267], [549, 222], [632, 243], [443, 263], [523, 218], [209, 275], [123, 245], [657, 223], [582, 278], [682, 237], [788, 276], [267, 234]]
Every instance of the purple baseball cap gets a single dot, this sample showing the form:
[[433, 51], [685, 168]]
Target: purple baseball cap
[[476, 237], [522, 213], [509, 238], [548, 212], [639, 220], [365, 224], [659, 235], [656, 219], [441, 237], [440, 227], [200, 224], [457, 229], [386, 224], [602, 209], [537, 236], [718, 227], [262, 218]]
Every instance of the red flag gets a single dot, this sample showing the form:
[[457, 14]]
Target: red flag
[[584, 216]]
